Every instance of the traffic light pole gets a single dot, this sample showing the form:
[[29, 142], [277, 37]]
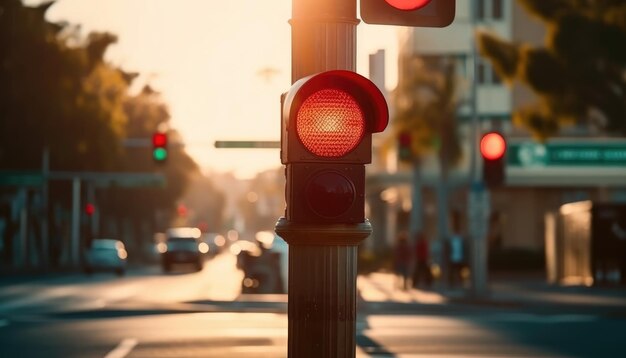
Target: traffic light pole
[[322, 258]]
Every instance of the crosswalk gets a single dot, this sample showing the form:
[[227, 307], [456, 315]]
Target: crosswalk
[[384, 287]]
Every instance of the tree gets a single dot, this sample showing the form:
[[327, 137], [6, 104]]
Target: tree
[[578, 75], [426, 102]]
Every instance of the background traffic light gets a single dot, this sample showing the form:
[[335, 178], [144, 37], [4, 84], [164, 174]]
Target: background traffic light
[[159, 147], [493, 150], [326, 138], [418, 13], [90, 209]]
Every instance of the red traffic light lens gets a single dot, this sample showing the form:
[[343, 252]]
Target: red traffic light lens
[[407, 5], [330, 123], [330, 194], [492, 146], [159, 139], [90, 209]]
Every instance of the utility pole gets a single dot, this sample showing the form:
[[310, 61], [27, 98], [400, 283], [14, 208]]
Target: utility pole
[[322, 260]]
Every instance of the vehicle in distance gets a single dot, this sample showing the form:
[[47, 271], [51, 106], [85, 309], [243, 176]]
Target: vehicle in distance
[[106, 255], [183, 246]]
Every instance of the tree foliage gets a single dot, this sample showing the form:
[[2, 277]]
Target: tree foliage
[[580, 73], [57, 91], [426, 102]]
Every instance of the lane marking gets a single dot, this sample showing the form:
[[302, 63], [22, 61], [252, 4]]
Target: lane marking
[[122, 349]]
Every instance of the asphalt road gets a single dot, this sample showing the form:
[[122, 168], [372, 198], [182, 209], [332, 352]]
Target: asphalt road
[[202, 314]]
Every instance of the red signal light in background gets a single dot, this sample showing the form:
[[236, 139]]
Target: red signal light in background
[[408, 4], [159, 139], [492, 146], [326, 138], [90, 209]]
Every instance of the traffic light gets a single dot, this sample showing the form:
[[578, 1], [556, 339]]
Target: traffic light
[[90, 209], [159, 147], [417, 13], [493, 150], [326, 140]]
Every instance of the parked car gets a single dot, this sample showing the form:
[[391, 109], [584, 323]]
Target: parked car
[[183, 246], [106, 255]]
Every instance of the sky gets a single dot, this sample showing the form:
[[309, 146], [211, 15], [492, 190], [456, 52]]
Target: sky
[[206, 57]]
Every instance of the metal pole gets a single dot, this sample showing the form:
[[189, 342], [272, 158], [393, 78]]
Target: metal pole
[[478, 194], [44, 218], [322, 260], [75, 244]]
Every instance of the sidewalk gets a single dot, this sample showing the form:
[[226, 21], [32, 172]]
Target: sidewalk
[[504, 291]]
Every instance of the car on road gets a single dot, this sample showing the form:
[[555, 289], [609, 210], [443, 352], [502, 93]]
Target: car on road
[[183, 246], [106, 255]]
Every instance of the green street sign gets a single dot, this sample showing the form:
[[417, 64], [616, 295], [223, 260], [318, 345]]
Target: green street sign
[[21, 179], [567, 153]]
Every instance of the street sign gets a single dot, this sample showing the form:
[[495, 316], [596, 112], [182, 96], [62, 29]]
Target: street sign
[[21, 179], [568, 153], [266, 144]]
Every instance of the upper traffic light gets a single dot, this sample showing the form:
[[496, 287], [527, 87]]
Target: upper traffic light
[[417, 13], [326, 138], [493, 150], [159, 147]]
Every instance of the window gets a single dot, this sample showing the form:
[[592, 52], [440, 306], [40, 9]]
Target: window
[[496, 9], [480, 9]]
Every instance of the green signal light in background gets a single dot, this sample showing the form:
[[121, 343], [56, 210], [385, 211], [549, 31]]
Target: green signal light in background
[[159, 154]]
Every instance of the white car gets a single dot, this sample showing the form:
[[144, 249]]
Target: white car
[[106, 255]]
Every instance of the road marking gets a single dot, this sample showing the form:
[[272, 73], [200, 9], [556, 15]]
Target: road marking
[[122, 349], [4, 322]]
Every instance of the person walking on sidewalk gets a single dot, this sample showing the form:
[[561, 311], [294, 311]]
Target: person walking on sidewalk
[[421, 270], [456, 259], [402, 258]]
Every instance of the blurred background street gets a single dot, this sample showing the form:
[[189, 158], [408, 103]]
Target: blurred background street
[[467, 179], [204, 314]]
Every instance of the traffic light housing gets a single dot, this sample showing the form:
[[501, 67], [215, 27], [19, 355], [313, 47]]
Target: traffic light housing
[[416, 13], [326, 140], [159, 147], [493, 152]]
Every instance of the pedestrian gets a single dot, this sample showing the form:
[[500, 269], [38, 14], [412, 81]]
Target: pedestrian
[[456, 259], [402, 258], [421, 271]]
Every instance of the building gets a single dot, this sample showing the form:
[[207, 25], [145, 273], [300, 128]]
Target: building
[[577, 165]]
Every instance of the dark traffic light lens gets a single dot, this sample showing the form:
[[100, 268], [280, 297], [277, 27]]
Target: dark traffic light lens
[[330, 123], [330, 194]]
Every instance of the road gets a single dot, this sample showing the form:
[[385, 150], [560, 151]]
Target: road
[[202, 314]]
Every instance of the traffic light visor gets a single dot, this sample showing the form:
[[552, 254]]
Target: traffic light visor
[[408, 5], [492, 146]]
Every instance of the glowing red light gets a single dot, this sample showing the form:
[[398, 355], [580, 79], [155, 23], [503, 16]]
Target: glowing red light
[[492, 146], [330, 123], [90, 209], [159, 139], [407, 5]]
